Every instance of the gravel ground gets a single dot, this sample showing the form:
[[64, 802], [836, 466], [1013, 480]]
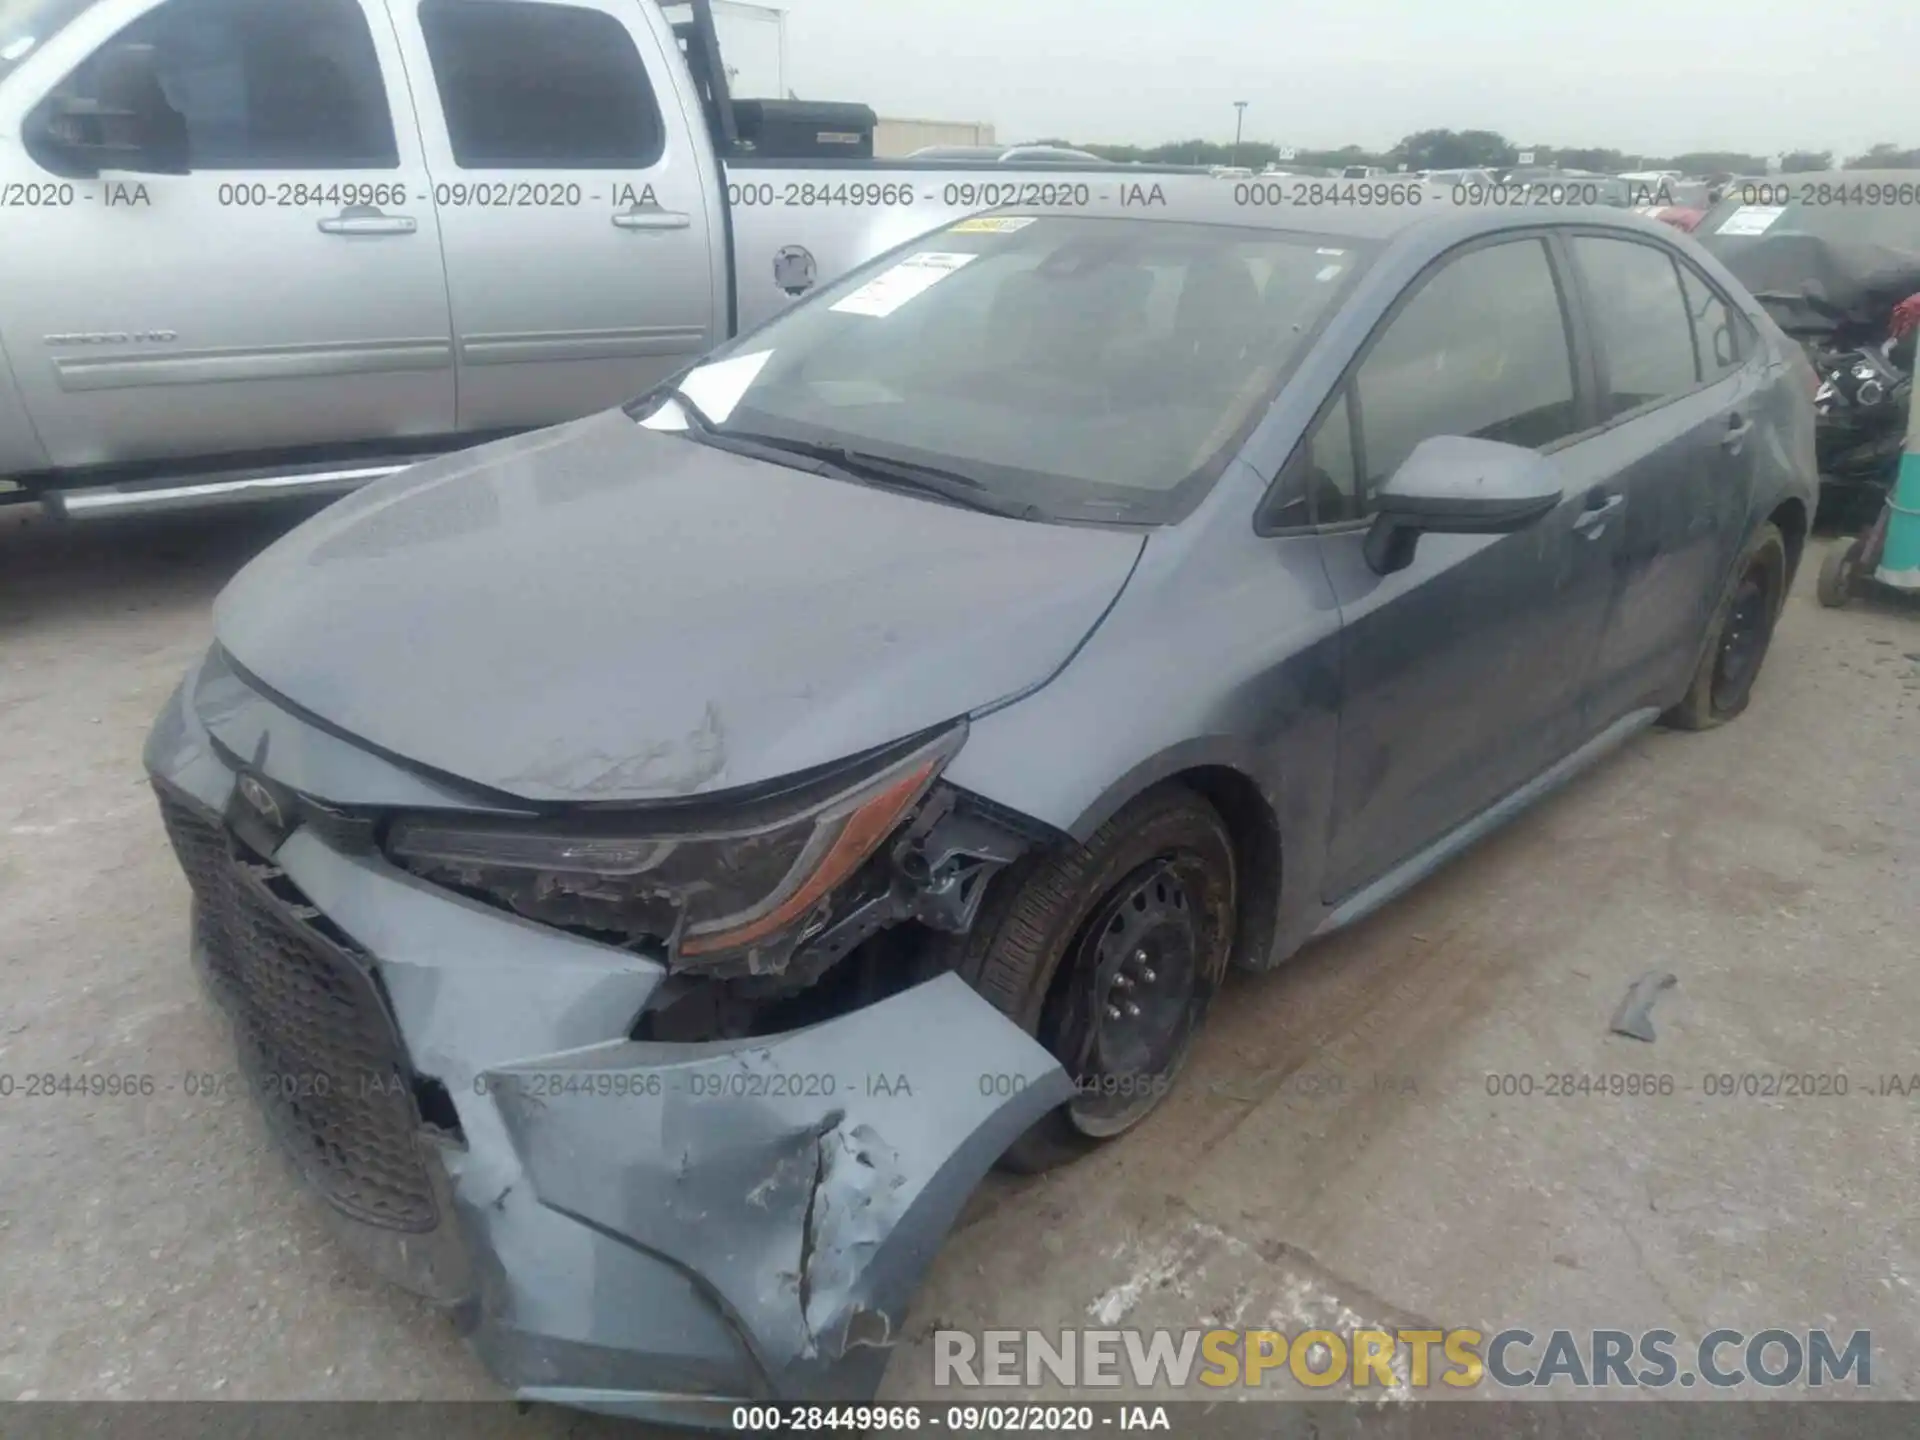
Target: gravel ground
[[1333, 1154]]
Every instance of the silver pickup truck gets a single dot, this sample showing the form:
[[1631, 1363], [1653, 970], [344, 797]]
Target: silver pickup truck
[[253, 247]]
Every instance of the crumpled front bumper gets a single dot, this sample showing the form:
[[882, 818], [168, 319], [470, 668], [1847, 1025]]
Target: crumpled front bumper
[[643, 1228]]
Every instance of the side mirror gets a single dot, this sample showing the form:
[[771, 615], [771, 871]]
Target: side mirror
[[126, 123], [1453, 485]]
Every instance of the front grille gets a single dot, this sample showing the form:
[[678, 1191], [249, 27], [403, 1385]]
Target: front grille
[[314, 1036]]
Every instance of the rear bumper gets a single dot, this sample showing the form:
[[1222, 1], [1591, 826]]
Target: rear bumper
[[646, 1229]]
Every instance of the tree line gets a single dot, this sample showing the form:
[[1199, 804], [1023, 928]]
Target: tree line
[[1484, 149]]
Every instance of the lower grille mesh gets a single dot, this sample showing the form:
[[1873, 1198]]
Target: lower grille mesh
[[314, 1036]]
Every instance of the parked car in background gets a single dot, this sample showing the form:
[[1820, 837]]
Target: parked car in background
[[333, 203], [1679, 203], [1682, 217], [1537, 185], [974, 154], [1460, 177], [1049, 155], [1009, 155], [1831, 256], [945, 682]]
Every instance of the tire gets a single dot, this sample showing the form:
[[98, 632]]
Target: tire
[[1737, 639], [1837, 572], [1042, 952]]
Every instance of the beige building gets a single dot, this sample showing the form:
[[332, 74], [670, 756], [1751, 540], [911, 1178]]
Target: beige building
[[894, 138]]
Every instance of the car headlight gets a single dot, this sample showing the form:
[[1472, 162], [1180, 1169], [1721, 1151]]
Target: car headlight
[[734, 890]]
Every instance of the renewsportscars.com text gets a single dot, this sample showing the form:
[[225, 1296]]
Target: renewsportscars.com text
[[1513, 1359]]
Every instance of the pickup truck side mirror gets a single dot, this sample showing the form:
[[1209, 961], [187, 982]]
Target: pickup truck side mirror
[[125, 123], [1457, 485]]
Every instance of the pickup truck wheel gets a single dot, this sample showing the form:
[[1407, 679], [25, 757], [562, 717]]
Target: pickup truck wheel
[[1737, 639], [1109, 954]]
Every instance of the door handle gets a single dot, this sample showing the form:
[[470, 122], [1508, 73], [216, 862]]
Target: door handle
[[653, 219], [1592, 521], [368, 220], [1737, 431]]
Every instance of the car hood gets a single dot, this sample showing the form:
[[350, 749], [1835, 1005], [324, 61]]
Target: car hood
[[603, 612]]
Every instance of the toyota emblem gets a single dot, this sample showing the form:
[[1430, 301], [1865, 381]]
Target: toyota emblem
[[262, 801]]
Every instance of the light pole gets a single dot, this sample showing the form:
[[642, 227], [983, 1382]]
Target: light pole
[[1239, 117]]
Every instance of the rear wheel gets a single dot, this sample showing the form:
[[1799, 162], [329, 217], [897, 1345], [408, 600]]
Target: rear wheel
[[1109, 954], [1738, 638]]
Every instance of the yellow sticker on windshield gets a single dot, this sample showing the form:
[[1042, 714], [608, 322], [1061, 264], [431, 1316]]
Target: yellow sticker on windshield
[[991, 225]]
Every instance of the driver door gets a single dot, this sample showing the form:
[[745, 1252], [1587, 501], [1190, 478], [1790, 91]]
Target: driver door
[[287, 291]]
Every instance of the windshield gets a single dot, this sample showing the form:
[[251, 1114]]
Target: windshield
[[1081, 368], [25, 26]]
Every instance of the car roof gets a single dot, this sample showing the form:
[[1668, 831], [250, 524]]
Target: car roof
[[1215, 204]]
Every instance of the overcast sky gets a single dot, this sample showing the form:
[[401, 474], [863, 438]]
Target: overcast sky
[[1653, 76]]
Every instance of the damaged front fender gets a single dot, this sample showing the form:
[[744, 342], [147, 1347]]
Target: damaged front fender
[[803, 1182], [644, 1226]]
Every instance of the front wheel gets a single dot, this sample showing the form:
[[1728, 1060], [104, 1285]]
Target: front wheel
[[1738, 638], [1109, 954]]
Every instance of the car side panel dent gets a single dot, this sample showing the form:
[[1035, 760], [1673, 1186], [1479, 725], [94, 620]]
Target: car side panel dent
[[807, 1189]]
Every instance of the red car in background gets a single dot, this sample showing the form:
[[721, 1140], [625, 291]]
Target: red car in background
[[1681, 217]]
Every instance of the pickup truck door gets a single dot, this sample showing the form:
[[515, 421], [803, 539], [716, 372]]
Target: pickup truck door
[[286, 292], [579, 204]]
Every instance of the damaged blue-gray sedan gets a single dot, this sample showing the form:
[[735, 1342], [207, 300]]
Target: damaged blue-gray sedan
[[656, 866]]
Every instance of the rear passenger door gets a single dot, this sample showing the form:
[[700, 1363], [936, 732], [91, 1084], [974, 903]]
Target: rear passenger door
[[1461, 674], [285, 292], [574, 211], [1677, 370]]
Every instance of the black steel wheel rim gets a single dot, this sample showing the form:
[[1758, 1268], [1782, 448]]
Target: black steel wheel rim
[[1743, 640], [1138, 986]]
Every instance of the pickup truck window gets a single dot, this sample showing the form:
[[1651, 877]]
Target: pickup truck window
[[294, 85], [1091, 368], [540, 86]]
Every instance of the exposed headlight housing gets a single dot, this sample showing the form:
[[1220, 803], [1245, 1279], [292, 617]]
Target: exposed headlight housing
[[731, 891]]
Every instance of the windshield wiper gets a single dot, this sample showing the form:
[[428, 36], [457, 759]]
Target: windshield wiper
[[931, 480], [697, 418], [843, 463], [702, 431]]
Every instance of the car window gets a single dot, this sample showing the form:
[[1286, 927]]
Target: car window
[[1095, 368], [1320, 479], [1646, 339], [295, 85], [1716, 331], [1480, 350], [531, 87]]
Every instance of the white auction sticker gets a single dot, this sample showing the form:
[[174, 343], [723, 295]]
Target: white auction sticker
[[891, 289], [1751, 220]]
